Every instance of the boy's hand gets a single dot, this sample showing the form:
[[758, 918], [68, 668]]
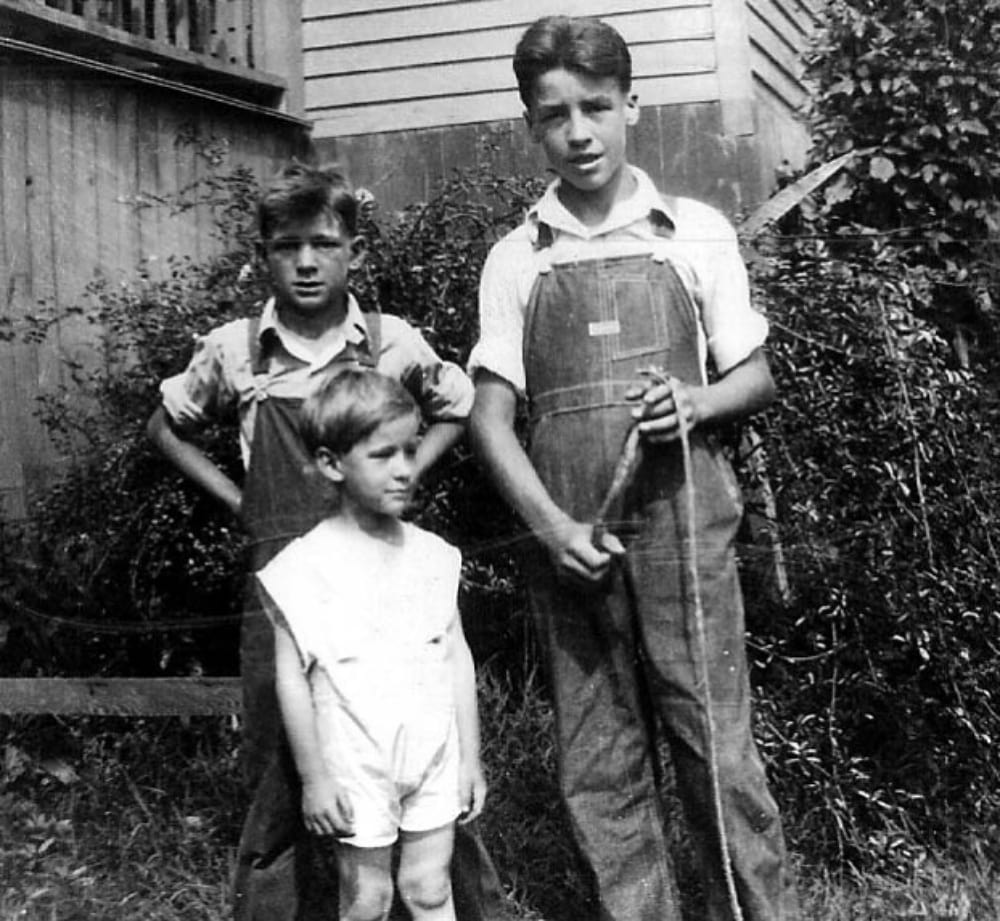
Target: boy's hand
[[471, 790], [661, 406], [577, 561], [326, 810]]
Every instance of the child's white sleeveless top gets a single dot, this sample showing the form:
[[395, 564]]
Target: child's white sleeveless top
[[370, 623]]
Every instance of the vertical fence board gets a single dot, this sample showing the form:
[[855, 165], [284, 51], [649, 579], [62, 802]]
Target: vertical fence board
[[127, 176], [15, 274], [103, 109], [147, 211], [62, 209]]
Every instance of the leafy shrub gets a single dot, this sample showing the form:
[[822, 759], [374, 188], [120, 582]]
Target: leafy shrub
[[880, 673], [913, 86], [125, 546]]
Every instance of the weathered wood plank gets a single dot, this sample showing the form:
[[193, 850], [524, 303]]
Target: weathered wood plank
[[120, 696]]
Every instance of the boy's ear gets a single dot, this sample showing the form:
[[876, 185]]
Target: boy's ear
[[631, 109], [328, 464], [359, 249]]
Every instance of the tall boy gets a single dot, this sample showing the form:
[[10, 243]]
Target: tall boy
[[263, 368], [605, 280]]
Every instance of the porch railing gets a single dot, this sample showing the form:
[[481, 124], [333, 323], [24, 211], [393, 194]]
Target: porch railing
[[245, 49], [222, 29]]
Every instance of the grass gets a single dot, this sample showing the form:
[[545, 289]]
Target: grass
[[108, 819]]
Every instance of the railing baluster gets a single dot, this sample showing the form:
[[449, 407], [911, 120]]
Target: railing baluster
[[249, 33], [160, 32], [182, 24], [137, 20], [238, 31]]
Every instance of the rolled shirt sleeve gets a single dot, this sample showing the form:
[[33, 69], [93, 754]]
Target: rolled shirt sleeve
[[504, 288], [200, 391], [733, 328], [442, 389]]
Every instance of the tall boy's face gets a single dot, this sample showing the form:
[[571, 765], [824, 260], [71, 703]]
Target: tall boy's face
[[580, 122], [309, 260]]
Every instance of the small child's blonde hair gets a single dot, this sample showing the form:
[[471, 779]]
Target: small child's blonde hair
[[348, 406]]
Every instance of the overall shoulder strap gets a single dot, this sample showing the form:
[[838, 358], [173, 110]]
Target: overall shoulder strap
[[373, 328], [254, 351]]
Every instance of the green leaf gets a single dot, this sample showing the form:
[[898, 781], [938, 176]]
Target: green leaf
[[881, 168], [973, 126]]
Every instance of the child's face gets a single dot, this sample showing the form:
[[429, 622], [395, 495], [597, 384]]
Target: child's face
[[580, 122], [309, 260], [377, 475]]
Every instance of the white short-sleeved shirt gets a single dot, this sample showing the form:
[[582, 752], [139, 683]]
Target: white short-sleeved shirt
[[701, 245], [370, 623]]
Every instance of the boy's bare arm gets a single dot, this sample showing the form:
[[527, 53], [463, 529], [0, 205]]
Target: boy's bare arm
[[192, 461], [472, 784], [569, 542], [741, 391], [438, 440], [325, 810]]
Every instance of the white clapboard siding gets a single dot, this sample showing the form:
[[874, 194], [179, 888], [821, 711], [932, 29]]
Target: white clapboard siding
[[393, 66], [486, 107], [661, 28], [779, 32]]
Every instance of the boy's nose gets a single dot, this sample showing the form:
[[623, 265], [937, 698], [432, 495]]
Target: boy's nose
[[307, 257], [578, 130]]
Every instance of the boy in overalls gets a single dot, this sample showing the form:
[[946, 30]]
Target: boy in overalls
[[264, 367], [602, 309]]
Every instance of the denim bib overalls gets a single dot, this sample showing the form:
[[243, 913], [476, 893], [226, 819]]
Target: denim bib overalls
[[625, 661], [275, 879]]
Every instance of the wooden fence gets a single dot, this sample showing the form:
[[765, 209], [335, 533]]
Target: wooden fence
[[120, 696]]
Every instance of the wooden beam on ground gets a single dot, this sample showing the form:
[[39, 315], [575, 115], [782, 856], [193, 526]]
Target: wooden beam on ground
[[120, 696]]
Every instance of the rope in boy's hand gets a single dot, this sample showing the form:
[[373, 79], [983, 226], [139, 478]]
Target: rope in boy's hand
[[624, 467]]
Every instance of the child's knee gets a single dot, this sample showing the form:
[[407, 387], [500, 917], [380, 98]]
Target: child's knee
[[425, 890], [365, 899]]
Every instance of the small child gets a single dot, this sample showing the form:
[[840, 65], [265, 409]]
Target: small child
[[375, 680]]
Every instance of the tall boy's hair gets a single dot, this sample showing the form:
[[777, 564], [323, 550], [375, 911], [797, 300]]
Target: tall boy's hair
[[348, 406], [573, 43], [302, 192]]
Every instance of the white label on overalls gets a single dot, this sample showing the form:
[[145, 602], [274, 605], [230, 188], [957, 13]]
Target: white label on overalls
[[604, 328]]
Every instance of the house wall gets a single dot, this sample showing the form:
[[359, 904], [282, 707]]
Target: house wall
[[402, 91], [779, 32], [84, 160]]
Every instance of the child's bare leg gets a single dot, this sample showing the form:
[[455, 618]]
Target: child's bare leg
[[425, 873], [365, 875]]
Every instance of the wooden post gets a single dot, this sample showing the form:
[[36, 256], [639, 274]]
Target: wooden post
[[276, 42], [732, 52]]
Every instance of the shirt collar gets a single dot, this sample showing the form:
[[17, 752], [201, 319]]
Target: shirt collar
[[643, 202], [354, 328]]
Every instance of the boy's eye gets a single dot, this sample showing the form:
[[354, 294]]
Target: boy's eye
[[324, 245], [284, 247]]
